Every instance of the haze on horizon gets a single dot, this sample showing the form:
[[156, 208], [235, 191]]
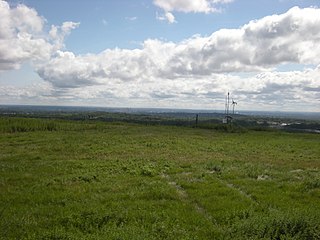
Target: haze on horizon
[[161, 53]]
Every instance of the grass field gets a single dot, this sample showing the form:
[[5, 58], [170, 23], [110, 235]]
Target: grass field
[[92, 180]]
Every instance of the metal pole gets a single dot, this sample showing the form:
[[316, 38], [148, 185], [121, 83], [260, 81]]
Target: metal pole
[[228, 105]]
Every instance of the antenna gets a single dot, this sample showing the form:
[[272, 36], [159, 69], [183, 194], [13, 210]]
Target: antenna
[[227, 118], [225, 106], [228, 103]]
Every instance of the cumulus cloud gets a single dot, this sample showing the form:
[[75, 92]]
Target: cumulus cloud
[[260, 45], [22, 36], [186, 6], [266, 90], [289, 37], [27, 95], [58, 33], [198, 70], [166, 17], [19, 41], [203, 6], [203, 68]]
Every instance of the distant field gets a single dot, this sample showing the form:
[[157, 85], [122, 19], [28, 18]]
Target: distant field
[[93, 180]]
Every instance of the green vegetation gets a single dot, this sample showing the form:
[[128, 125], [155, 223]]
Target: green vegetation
[[64, 179]]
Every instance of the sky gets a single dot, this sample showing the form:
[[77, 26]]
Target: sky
[[184, 54]]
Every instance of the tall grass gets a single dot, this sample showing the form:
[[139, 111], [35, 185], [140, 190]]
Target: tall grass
[[15, 125], [289, 225]]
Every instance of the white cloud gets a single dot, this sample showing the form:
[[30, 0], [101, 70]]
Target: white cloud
[[19, 36], [68, 26], [35, 93], [289, 37], [131, 18], [192, 73], [22, 36], [267, 90], [166, 17], [57, 34], [260, 45], [187, 6], [203, 6], [170, 17], [203, 68]]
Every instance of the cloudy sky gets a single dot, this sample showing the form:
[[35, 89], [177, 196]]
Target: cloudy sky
[[161, 53]]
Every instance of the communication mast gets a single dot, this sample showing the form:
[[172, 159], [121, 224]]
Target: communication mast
[[228, 118]]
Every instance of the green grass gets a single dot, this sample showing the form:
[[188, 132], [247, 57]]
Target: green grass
[[92, 180]]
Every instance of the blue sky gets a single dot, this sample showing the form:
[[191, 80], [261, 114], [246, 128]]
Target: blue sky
[[161, 53], [126, 23]]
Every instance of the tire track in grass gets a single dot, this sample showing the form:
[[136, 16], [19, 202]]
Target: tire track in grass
[[235, 188], [239, 190], [247, 195], [200, 209], [185, 197]]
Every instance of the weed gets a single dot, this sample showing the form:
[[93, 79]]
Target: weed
[[148, 170], [311, 184], [213, 167]]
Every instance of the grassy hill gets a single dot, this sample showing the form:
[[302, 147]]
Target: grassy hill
[[95, 180]]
